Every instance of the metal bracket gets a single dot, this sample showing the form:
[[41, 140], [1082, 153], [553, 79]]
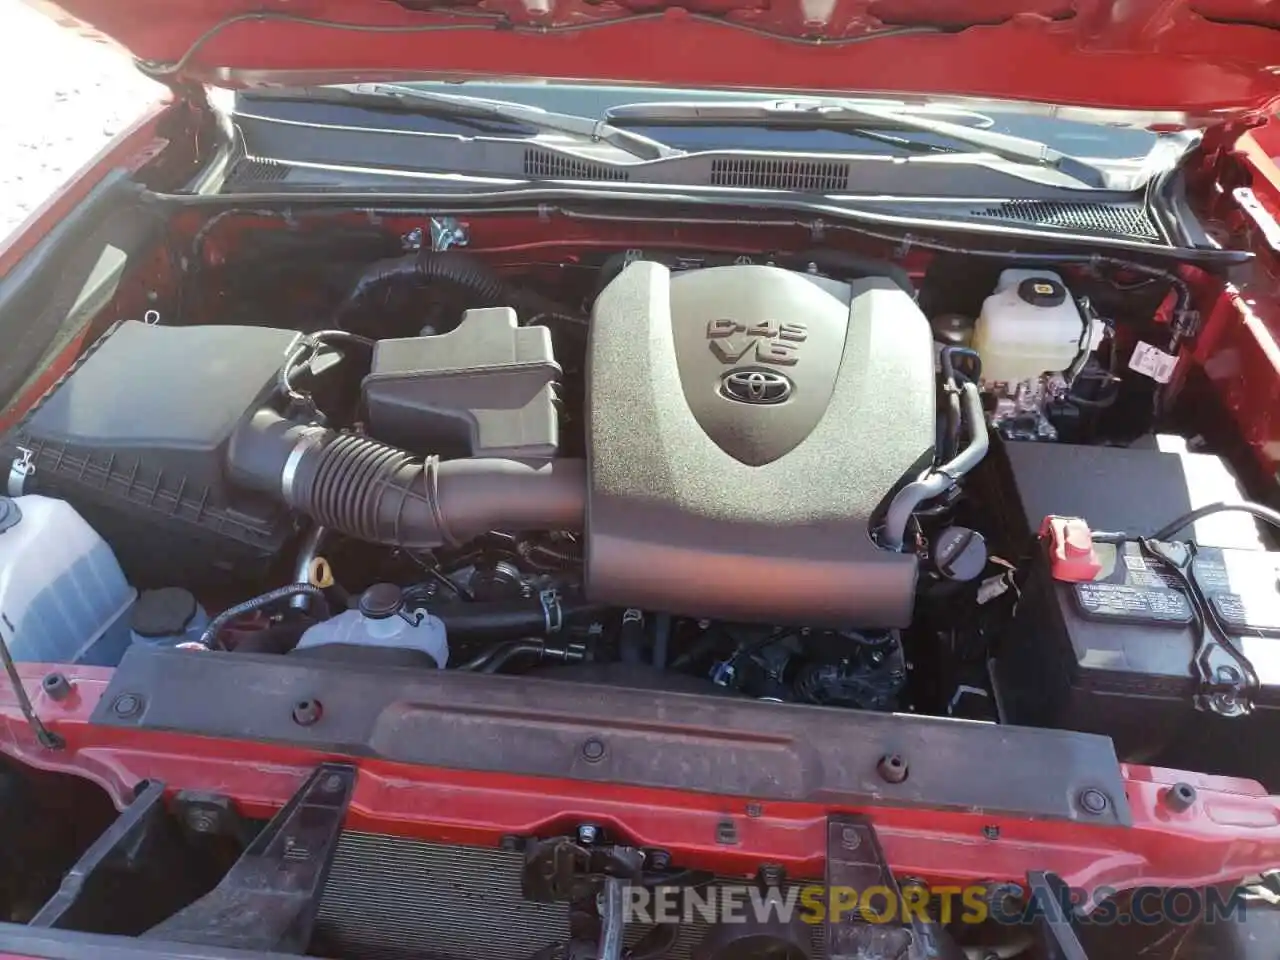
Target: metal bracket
[[269, 898], [552, 614], [122, 840], [20, 468], [447, 232], [563, 869], [856, 862], [1052, 926]]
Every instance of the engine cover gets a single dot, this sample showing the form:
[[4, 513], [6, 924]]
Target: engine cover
[[745, 426]]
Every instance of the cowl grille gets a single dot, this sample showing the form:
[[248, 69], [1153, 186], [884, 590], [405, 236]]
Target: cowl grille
[[549, 165], [809, 176], [1121, 219], [251, 170]]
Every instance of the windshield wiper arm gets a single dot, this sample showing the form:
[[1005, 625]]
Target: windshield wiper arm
[[849, 113], [453, 105]]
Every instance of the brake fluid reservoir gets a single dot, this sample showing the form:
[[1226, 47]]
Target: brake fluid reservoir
[[1030, 326], [63, 596]]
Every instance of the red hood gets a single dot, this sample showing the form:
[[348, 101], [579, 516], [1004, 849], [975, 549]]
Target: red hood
[[1204, 58]]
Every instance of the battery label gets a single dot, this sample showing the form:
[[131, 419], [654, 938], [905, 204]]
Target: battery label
[[1242, 585], [1142, 572], [1140, 604], [1133, 588]]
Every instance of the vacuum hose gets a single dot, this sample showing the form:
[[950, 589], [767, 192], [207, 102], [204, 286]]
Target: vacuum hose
[[382, 494]]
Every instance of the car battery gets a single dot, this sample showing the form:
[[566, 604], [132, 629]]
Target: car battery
[[1115, 654]]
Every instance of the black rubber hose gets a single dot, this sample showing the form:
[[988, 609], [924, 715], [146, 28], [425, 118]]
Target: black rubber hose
[[947, 358], [511, 619], [483, 287], [631, 637], [508, 652]]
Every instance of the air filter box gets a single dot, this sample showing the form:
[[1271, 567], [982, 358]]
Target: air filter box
[[135, 438]]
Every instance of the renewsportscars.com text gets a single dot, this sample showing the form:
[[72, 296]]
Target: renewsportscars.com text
[[814, 903]]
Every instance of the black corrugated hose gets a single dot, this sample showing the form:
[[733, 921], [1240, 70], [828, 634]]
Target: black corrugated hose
[[483, 287]]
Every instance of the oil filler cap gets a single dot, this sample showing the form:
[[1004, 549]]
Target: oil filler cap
[[960, 553], [10, 513]]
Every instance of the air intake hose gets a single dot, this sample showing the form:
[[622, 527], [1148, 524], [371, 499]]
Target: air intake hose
[[383, 494], [482, 285]]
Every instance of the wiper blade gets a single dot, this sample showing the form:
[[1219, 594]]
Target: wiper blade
[[450, 105], [852, 114]]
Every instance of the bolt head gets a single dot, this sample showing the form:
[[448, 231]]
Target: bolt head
[[1180, 797], [892, 768], [307, 712], [1094, 801], [593, 750], [56, 686], [127, 705]]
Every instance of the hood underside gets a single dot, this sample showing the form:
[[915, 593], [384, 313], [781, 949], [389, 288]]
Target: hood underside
[[1202, 60]]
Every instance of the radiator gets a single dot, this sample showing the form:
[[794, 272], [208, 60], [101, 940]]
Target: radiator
[[391, 898]]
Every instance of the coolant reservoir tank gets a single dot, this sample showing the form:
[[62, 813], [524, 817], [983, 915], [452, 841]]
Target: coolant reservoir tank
[[383, 620], [1030, 326]]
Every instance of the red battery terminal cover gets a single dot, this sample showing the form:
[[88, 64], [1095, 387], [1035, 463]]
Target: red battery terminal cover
[[1072, 557]]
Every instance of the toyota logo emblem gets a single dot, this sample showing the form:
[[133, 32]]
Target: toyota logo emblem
[[755, 386]]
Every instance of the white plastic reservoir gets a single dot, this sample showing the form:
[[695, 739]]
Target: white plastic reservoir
[[383, 620], [1029, 327], [63, 596]]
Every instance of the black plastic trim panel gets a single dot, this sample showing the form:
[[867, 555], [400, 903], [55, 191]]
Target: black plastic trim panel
[[548, 728]]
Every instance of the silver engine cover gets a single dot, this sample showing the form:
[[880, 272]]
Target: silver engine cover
[[746, 424]]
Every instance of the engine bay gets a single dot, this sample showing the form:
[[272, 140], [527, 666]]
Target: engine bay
[[940, 483]]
